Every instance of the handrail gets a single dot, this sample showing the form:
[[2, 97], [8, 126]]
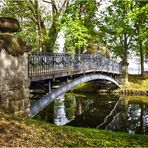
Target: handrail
[[44, 63]]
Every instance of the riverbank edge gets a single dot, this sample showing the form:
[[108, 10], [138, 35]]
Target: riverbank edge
[[119, 91], [136, 85], [126, 92], [18, 131]]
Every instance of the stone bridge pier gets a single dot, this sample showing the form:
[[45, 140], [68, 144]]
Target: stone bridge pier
[[14, 81], [14, 84]]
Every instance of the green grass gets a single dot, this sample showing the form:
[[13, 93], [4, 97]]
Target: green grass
[[137, 99], [85, 87], [136, 82], [18, 132]]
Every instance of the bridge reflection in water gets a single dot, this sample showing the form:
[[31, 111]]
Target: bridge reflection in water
[[101, 111]]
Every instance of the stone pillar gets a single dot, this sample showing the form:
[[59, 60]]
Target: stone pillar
[[14, 83]]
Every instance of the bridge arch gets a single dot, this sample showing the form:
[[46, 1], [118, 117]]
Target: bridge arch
[[47, 99]]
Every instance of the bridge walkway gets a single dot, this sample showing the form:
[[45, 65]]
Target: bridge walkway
[[42, 66]]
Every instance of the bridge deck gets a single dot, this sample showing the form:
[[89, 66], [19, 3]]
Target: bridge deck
[[44, 66]]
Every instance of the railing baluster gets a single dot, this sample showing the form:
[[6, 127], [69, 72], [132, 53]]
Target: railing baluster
[[45, 64]]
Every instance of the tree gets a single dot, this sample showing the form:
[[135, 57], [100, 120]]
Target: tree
[[58, 9], [80, 25], [44, 19], [123, 27], [76, 37], [117, 32], [30, 16], [139, 17]]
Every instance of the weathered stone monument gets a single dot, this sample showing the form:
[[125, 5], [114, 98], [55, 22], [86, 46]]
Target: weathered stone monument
[[14, 82]]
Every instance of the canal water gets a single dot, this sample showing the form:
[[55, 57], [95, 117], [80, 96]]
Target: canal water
[[111, 112]]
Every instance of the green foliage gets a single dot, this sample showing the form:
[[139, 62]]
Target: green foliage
[[123, 27], [70, 106], [24, 11], [139, 18], [117, 25], [76, 36], [80, 21], [40, 21], [88, 86], [116, 30]]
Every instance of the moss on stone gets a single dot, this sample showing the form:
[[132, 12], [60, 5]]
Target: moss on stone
[[13, 45], [8, 24]]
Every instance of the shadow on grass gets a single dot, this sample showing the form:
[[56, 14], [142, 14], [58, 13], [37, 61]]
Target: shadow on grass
[[137, 78]]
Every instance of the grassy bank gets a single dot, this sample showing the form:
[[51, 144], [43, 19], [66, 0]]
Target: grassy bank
[[136, 82], [138, 99], [88, 86], [16, 132]]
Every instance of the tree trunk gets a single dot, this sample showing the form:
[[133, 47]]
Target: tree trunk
[[141, 58], [41, 28], [53, 33], [37, 18], [125, 69], [125, 63], [139, 41], [41, 38], [141, 128]]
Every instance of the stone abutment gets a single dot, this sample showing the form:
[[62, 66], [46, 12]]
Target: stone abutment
[[14, 83]]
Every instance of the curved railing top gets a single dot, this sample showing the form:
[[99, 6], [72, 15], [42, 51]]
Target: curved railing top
[[44, 63], [67, 54]]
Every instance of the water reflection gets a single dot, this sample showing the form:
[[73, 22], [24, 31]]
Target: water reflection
[[138, 118], [118, 113], [59, 111], [116, 120], [91, 112]]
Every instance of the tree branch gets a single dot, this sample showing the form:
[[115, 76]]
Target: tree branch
[[47, 1], [121, 40], [63, 6], [54, 7], [30, 6]]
